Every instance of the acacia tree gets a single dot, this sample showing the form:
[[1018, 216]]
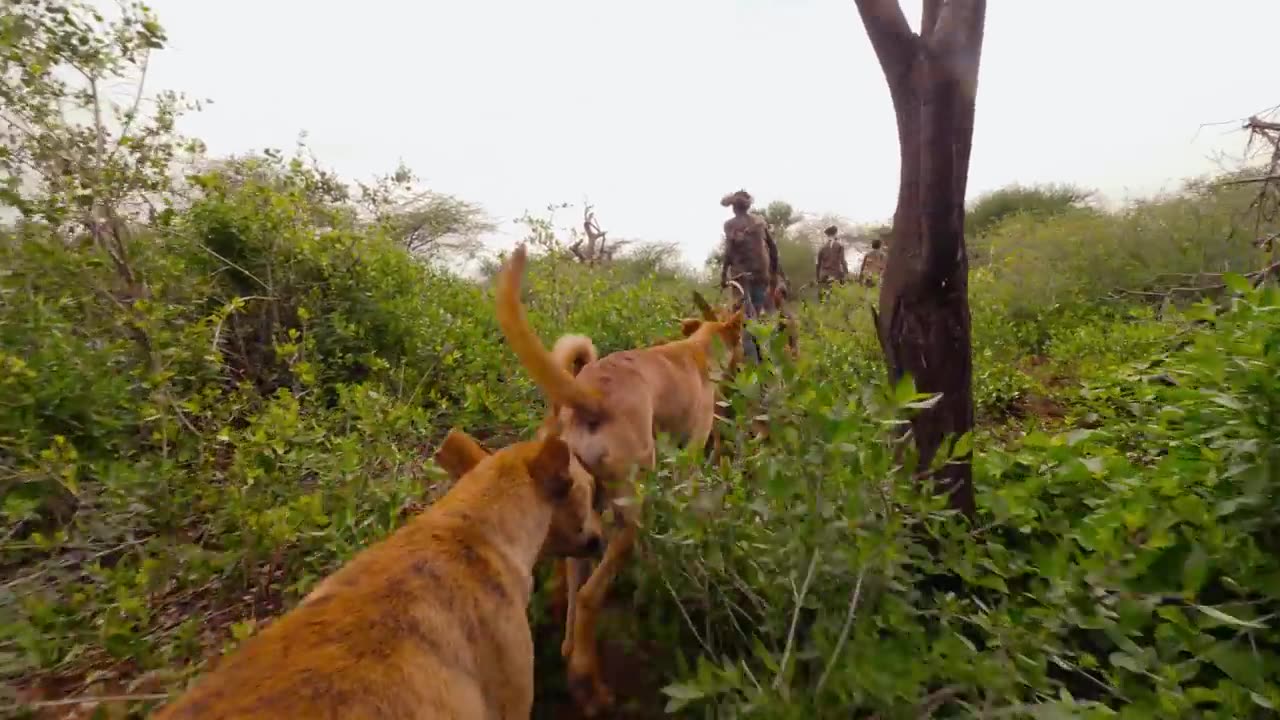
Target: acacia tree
[[430, 225], [923, 322], [71, 157], [780, 216]]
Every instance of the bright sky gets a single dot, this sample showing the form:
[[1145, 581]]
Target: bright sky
[[653, 110]]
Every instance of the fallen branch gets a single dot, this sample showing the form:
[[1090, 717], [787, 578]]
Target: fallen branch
[[1249, 181], [1257, 276], [82, 700]]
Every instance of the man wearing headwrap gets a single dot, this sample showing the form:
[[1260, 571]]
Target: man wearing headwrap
[[832, 265], [872, 265], [750, 258]]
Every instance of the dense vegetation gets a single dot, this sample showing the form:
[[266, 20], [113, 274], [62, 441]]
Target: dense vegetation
[[229, 380]]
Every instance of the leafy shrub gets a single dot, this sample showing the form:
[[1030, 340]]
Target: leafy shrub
[[204, 413], [1040, 202]]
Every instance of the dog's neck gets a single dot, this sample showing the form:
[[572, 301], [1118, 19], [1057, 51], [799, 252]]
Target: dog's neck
[[507, 516], [704, 341]]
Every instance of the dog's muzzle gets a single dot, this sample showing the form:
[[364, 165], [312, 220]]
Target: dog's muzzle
[[590, 547]]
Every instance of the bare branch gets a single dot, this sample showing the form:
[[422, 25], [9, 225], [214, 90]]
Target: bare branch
[[597, 239], [1256, 123], [1248, 181], [1257, 276], [133, 110]]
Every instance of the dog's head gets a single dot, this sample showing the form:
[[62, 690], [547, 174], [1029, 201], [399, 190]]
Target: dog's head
[[547, 465], [727, 324]]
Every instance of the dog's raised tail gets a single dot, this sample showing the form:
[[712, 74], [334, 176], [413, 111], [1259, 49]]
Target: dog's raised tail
[[573, 352], [548, 371]]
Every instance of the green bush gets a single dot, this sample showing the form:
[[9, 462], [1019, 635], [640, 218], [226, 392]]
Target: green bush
[[203, 414]]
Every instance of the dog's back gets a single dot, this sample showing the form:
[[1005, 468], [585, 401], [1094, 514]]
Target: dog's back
[[388, 639], [429, 623]]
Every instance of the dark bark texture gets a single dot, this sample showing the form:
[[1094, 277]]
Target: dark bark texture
[[923, 321]]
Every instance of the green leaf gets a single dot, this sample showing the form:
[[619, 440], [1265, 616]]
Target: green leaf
[[1238, 663], [1195, 570], [1226, 619], [1126, 661], [1237, 283], [1077, 436], [683, 692]]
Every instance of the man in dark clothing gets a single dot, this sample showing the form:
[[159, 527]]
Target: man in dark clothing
[[832, 265], [872, 265], [750, 259]]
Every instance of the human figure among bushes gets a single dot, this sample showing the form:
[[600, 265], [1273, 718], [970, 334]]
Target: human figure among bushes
[[831, 265], [750, 259], [872, 265]]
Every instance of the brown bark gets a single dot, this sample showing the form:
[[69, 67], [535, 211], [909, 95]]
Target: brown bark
[[923, 321]]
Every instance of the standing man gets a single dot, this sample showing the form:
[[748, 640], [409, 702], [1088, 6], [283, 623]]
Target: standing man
[[832, 265], [750, 258], [872, 264]]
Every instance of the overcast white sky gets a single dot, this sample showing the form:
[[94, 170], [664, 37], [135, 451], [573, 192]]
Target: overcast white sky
[[655, 109]]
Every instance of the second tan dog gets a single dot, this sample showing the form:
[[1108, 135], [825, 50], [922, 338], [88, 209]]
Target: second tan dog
[[429, 623], [610, 411]]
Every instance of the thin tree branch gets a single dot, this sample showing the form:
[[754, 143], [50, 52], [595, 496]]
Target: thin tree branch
[[1248, 181], [1257, 276], [795, 616], [133, 111], [1256, 123], [844, 630]]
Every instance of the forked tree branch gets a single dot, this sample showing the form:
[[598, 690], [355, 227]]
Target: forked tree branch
[[1257, 123], [956, 41], [891, 36], [929, 16]]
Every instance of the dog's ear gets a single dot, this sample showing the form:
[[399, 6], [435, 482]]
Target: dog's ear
[[689, 326], [459, 453], [734, 324], [549, 468], [703, 306]]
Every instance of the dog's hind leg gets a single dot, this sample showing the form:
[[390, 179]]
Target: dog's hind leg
[[701, 433], [576, 572]]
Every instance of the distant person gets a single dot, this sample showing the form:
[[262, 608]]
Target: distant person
[[832, 265], [872, 265], [750, 259]]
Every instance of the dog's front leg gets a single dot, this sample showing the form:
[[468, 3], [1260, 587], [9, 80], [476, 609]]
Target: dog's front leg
[[576, 572], [585, 679]]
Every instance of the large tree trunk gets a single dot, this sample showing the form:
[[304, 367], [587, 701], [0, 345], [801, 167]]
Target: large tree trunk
[[924, 300]]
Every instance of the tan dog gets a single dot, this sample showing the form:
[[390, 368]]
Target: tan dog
[[609, 412], [428, 623]]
